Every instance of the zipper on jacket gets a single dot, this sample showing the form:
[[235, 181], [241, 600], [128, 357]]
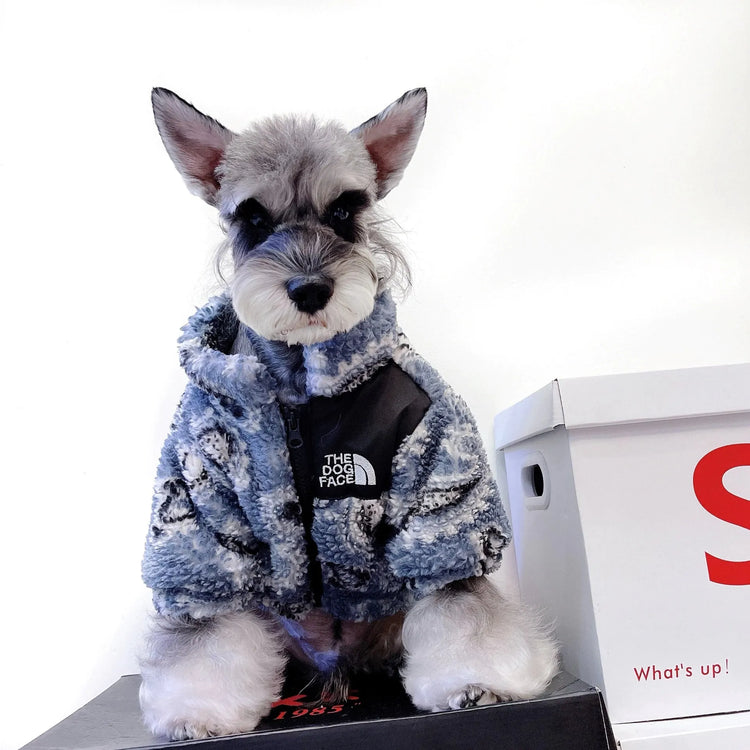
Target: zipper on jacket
[[299, 457]]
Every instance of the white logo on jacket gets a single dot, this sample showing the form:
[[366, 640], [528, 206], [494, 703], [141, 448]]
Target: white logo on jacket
[[340, 469]]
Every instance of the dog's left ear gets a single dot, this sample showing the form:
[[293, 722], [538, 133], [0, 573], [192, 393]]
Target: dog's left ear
[[391, 137], [194, 141]]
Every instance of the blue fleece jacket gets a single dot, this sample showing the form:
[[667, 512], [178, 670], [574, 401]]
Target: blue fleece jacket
[[227, 530]]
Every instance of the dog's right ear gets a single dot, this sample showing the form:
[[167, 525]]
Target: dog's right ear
[[194, 141]]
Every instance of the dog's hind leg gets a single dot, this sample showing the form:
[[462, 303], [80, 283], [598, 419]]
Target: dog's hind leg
[[210, 677], [466, 645]]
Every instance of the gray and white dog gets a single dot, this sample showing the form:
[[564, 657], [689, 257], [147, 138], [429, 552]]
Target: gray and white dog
[[322, 493]]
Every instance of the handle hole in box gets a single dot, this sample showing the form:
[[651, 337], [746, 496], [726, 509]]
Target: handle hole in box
[[535, 482]]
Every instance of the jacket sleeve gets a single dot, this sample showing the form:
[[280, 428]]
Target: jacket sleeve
[[200, 551], [444, 503]]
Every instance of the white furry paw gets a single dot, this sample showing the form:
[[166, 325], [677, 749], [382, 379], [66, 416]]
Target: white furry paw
[[212, 678], [177, 719], [472, 647], [197, 729], [471, 695]]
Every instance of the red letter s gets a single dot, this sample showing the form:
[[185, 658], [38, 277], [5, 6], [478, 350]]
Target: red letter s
[[719, 502]]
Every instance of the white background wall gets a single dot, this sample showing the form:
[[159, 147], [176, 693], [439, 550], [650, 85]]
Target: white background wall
[[578, 205]]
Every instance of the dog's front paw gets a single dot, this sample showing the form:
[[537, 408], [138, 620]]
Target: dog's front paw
[[198, 729], [210, 678], [169, 716], [469, 646], [472, 695], [187, 730]]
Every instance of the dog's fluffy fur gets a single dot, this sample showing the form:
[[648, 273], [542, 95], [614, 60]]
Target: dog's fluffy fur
[[202, 679], [468, 645], [298, 201]]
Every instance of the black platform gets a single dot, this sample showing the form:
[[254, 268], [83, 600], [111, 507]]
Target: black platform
[[376, 716]]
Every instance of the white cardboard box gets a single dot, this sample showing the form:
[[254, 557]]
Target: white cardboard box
[[618, 536]]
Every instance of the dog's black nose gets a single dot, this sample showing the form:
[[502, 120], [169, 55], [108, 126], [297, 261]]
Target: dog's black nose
[[310, 296]]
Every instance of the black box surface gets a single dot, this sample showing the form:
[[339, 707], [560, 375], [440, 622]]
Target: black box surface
[[377, 715]]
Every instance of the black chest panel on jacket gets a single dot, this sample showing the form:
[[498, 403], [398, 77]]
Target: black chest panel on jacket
[[354, 436]]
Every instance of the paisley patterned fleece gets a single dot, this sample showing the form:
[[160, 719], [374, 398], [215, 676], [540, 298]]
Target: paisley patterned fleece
[[226, 528]]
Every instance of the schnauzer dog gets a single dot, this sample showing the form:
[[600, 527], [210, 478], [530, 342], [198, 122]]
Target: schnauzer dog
[[323, 494]]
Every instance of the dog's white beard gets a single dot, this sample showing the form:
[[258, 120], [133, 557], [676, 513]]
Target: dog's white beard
[[261, 302]]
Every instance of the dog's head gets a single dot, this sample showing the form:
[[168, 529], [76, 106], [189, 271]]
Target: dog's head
[[298, 200]]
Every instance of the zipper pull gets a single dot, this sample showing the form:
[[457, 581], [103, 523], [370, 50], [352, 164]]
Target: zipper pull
[[293, 433]]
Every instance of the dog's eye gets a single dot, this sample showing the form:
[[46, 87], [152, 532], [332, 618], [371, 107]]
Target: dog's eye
[[257, 220], [255, 223], [342, 212], [251, 212]]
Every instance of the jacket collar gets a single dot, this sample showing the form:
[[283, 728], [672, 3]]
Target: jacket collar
[[332, 366]]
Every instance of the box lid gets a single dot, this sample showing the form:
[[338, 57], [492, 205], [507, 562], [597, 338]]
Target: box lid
[[570, 713], [622, 399]]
